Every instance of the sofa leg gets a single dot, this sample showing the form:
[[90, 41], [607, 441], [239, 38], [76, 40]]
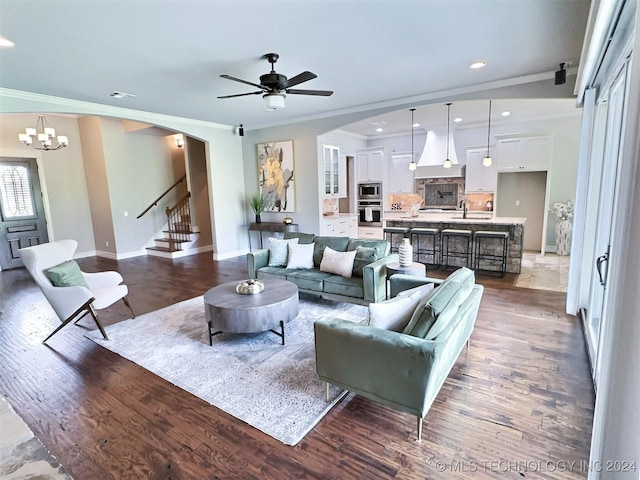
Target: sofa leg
[[419, 429], [326, 392]]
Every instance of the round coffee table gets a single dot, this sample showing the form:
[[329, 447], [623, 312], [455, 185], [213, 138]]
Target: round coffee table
[[228, 311]]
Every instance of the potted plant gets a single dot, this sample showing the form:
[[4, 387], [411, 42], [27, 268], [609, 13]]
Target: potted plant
[[258, 202]]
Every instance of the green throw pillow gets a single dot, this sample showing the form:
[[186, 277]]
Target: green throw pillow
[[67, 274], [364, 256], [303, 238]]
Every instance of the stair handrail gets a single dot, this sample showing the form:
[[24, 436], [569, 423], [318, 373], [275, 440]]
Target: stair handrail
[[155, 202]]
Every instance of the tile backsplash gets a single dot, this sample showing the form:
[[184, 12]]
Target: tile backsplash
[[329, 206], [441, 192]]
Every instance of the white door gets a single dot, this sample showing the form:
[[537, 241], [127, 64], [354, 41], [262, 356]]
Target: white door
[[606, 205]]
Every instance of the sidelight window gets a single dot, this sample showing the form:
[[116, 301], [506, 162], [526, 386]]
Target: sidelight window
[[16, 196]]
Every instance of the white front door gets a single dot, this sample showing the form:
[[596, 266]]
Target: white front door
[[22, 220]]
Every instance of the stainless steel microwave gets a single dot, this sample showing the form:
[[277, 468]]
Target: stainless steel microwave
[[369, 191]]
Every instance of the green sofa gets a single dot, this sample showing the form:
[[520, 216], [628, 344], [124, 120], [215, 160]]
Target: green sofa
[[368, 283], [402, 369]]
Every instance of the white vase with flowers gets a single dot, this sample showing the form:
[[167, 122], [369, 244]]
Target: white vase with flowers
[[564, 213]]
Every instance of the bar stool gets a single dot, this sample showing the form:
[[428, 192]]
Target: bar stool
[[464, 245], [486, 245], [389, 232], [416, 235]]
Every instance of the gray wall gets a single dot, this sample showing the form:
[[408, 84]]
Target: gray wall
[[63, 173], [95, 165], [198, 186]]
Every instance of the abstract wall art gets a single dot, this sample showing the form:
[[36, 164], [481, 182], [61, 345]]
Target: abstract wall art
[[275, 175]]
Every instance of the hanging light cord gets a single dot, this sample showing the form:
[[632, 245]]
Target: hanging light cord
[[489, 129], [448, 126], [412, 110]]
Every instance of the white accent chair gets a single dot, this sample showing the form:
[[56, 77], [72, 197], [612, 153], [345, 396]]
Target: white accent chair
[[73, 303]]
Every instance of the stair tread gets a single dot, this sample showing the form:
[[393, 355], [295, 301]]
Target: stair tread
[[179, 231], [174, 240], [164, 249]]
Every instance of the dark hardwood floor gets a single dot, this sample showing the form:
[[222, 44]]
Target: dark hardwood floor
[[517, 404]]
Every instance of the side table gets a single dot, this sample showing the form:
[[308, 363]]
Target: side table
[[415, 268], [270, 227]]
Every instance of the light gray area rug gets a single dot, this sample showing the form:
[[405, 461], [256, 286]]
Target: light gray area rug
[[271, 387]]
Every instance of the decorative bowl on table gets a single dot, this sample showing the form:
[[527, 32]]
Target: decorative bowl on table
[[250, 287]]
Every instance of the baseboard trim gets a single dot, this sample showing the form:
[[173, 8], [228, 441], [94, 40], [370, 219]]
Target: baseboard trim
[[227, 255]]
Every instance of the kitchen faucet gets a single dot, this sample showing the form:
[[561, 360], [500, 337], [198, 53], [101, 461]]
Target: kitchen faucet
[[463, 205]]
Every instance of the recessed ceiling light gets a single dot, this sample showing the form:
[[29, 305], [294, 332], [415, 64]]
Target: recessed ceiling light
[[377, 123], [117, 94], [506, 113], [457, 119], [478, 64], [379, 129], [416, 125], [5, 42]]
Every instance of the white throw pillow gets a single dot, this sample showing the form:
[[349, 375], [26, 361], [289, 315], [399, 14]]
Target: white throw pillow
[[300, 255], [340, 263], [423, 289], [395, 313], [279, 251]]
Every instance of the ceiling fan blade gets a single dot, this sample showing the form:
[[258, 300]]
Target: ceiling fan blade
[[242, 94], [229, 77], [322, 93], [298, 79]]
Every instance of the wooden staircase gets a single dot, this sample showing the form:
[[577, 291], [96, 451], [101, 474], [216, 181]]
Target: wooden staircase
[[179, 235]]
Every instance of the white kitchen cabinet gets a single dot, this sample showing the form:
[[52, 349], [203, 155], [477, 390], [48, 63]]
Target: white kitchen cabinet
[[339, 226], [334, 168], [374, 233], [524, 153], [479, 178], [370, 165], [400, 177]]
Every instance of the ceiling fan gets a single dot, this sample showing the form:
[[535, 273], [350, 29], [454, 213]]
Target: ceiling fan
[[274, 86]]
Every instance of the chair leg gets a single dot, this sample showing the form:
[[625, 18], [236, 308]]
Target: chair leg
[[95, 319], [70, 318], [326, 392], [419, 429], [126, 302]]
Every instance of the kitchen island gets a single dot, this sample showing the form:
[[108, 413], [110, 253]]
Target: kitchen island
[[475, 221]]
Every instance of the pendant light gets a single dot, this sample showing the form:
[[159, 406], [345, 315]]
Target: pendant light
[[413, 164], [447, 161], [487, 161]]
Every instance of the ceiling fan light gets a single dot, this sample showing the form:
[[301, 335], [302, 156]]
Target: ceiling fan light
[[274, 101], [487, 161]]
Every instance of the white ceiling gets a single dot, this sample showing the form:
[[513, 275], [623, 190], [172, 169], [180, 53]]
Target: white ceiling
[[371, 53]]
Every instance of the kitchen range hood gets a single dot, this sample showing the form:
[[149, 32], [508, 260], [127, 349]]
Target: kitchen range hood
[[434, 154]]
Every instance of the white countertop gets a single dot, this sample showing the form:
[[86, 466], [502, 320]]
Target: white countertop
[[338, 215], [455, 217]]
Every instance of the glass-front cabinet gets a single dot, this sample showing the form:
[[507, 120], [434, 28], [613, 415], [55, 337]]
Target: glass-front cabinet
[[334, 174]]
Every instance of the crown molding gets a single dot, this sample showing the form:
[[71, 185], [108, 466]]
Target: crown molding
[[52, 104]]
